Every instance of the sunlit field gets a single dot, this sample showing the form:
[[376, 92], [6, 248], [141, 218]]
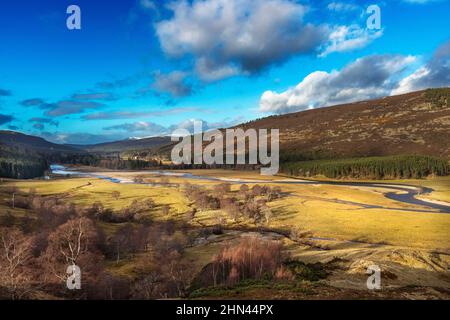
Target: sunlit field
[[313, 208], [316, 222]]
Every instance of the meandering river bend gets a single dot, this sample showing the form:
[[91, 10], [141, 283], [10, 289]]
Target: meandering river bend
[[397, 192]]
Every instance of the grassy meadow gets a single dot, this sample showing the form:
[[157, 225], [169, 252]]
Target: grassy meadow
[[342, 222], [315, 208]]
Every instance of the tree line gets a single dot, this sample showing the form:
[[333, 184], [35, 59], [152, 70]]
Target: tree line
[[17, 163], [392, 167], [22, 168]]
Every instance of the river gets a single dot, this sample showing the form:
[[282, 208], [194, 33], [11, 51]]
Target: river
[[398, 192]]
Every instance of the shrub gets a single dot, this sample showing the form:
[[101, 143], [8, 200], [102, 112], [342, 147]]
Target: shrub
[[252, 258]]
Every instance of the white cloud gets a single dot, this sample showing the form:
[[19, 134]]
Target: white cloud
[[206, 125], [435, 73], [408, 84], [347, 38], [366, 78], [209, 71], [228, 37], [148, 129], [173, 83]]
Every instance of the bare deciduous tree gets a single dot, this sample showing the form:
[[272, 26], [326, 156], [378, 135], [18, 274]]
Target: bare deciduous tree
[[122, 240], [266, 213], [177, 272], [231, 207], [252, 258], [15, 253], [72, 243]]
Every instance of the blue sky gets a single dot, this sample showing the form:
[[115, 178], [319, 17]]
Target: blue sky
[[141, 68]]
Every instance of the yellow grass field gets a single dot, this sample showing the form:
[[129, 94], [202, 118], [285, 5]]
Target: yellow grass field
[[357, 225], [311, 208]]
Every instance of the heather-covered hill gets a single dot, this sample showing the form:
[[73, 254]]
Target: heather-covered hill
[[414, 123], [126, 145]]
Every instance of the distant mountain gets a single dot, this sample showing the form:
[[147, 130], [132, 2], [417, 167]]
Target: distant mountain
[[127, 145], [24, 141], [413, 123], [17, 140]]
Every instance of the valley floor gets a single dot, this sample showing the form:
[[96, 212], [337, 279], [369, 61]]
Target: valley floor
[[345, 228]]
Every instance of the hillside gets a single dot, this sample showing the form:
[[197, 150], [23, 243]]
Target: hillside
[[21, 163], [414, 123], [417, 123], [127, 145], [25, 156], [20, 140]]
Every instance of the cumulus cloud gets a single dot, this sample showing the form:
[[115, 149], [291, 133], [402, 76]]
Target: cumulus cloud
[[347, 38], [435, 73], [173, 83], [228, 37], [188, 124], [5, 118], [365, 78], [210, 71]]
